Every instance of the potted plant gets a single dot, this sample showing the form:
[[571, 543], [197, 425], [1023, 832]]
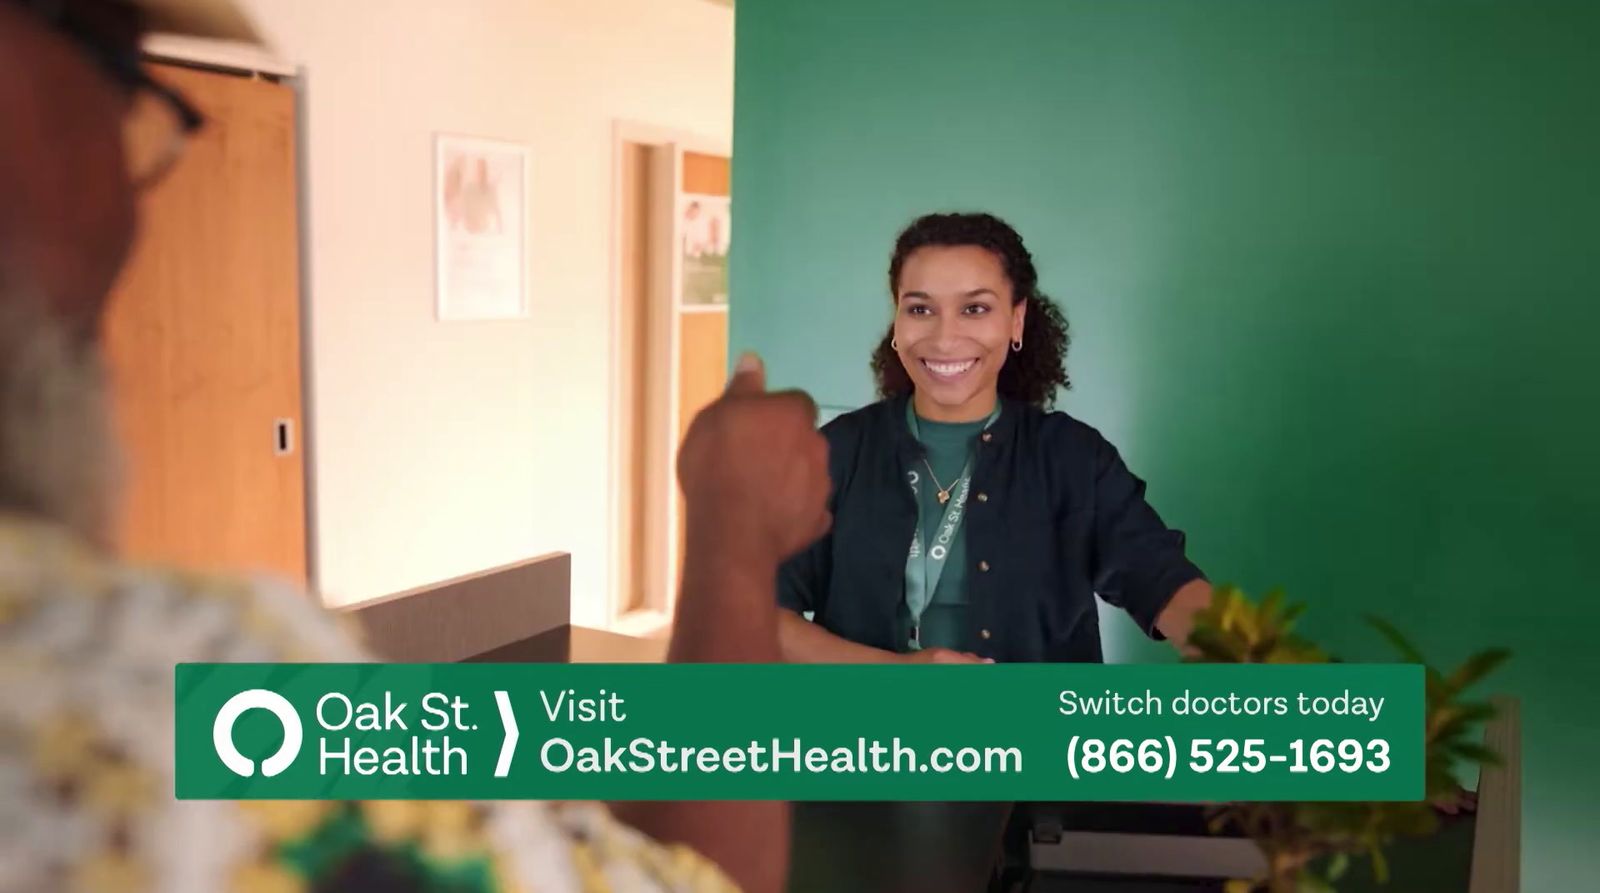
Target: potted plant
[[1308, 847]]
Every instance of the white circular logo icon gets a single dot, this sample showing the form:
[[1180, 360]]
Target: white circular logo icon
[[222, 732]]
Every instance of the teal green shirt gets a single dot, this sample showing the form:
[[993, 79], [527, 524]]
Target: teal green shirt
[[944, 622]]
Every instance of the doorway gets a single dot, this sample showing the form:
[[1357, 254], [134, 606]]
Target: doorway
[[670, 349]]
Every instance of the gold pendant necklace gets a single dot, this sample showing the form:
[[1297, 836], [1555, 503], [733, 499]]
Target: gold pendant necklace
[[944, 492]]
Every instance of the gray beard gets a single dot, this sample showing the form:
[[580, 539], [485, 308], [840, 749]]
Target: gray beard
[[58, 458]]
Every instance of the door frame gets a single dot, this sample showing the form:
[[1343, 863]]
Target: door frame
[[666, 342], [203, 53]]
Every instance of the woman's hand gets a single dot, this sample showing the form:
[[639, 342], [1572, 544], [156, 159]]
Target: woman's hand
[[1457, 801], [1176, 621], [943, 656]]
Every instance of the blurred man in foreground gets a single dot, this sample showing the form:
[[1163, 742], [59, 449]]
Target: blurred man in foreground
[[87, 646]]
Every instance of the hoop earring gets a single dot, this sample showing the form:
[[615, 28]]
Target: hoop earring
[[894, 343], [1016, 346]]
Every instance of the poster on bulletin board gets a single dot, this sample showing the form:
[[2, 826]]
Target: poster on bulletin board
[[705, 224]]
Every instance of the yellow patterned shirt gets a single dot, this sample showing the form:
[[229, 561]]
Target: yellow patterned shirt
[[87, 649]]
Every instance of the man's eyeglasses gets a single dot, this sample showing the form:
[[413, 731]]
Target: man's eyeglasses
[[158, 121], [155, 130]]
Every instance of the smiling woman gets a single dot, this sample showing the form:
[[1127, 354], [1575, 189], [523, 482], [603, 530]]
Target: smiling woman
[[971, 524], [974, 270]]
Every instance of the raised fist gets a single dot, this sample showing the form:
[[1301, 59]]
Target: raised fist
[[754, 470]]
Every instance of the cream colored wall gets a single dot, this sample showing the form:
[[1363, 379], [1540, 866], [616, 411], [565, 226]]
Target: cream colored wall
[[442, 449]]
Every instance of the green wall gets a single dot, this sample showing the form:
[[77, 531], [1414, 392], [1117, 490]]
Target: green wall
[[1332, 270]]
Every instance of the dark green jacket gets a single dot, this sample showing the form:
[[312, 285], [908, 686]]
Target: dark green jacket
[[1054, 518]]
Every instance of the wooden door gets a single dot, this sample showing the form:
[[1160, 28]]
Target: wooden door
[[203, 339], [702, 330]]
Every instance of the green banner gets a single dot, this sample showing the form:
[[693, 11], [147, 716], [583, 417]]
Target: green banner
[[1183, 732]]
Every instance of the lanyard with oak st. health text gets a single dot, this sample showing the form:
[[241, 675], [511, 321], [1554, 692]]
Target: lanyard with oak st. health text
[[924, 568]]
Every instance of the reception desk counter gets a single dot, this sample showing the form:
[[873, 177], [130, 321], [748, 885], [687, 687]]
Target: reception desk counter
[[939, 847]]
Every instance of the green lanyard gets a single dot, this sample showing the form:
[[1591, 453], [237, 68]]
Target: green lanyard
[[924, 567]]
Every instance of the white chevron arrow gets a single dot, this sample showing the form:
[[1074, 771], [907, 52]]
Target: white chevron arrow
[[508, 748]]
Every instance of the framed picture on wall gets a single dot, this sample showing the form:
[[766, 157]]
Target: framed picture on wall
[[480, 228], [705, 225]]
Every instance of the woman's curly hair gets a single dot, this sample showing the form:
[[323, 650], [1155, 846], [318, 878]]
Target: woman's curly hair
[[1032, 375]]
